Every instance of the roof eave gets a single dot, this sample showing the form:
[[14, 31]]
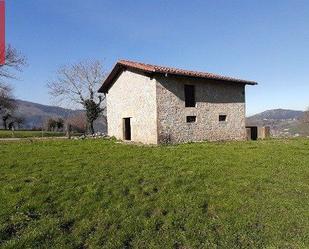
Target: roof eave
[[245, 82], [110, 78], [121, 65]]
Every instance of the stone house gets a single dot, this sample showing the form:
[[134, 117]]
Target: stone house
[[155, 104]]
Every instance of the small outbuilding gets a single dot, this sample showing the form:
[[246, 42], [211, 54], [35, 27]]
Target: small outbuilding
[[157, 104], [258, 132]]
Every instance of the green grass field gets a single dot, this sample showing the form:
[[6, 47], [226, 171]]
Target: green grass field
[[25, 134], [102, 194]]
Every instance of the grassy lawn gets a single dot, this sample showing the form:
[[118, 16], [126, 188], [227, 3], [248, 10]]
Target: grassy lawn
[[102, 194], [25, 134]]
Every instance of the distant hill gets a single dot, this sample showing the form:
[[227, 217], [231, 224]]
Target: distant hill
[[283, 122], [35, 114], [278, 114]]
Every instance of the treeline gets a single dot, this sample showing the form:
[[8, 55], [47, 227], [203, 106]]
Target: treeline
[[76, 122]]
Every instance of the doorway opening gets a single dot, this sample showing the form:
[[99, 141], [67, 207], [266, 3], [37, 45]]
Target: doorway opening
[[127, 128], [253, 132]]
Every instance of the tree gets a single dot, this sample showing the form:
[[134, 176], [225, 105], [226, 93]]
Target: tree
[[78, 84], [51, 124], [6, 97], [7, 104], [5, 119], [59, 123], [93, 111], [18, 121], [13, 61], [10, 120], [78, 122]]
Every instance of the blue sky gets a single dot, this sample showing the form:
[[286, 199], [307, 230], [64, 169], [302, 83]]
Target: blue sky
[[265, 41]]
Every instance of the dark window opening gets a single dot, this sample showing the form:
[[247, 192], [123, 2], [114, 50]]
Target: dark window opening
[[191, 119], [189, 96], [222, 118]]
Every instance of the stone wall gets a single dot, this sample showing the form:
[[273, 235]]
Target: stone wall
[[133, 95], [213, 98], [157, 109], [263, 132]]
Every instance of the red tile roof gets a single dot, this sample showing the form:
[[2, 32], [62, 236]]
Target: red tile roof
[[154, 69]]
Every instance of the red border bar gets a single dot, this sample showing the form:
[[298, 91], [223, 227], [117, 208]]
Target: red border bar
[[2, 32]]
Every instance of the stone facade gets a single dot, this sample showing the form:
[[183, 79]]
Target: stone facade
[[133, 96], [158, 114], [213, 98]]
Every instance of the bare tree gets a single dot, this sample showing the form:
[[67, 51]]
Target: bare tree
[[78, 122], [6, 97], [14, 60], [7, 104], [18, 121], [78, 84]]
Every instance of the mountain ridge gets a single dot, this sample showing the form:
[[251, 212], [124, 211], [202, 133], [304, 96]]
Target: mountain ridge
[[282, 122], [35, 114], [278, 114]]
